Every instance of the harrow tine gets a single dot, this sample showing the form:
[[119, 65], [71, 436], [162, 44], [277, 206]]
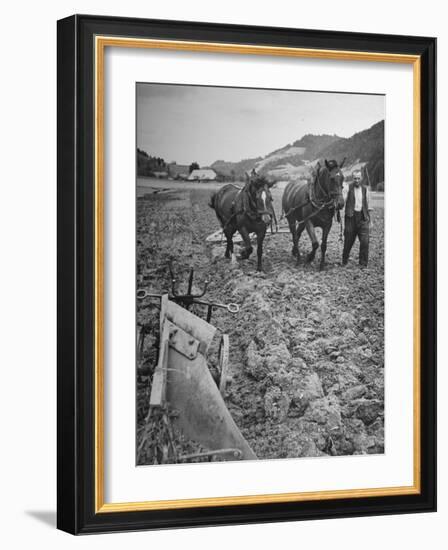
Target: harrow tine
[[188, 299], [190, 281]]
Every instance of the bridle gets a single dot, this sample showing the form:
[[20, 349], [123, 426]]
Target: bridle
[[328, 202], [330, 198], [253, 212], [254, 207]]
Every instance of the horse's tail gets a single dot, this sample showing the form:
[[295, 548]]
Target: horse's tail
[[212, 200], [282, 213]]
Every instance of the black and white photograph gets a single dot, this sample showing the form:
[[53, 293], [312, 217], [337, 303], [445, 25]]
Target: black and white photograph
[[259, 273]]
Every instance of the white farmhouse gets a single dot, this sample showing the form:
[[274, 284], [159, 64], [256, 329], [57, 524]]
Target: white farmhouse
[[203, 174]]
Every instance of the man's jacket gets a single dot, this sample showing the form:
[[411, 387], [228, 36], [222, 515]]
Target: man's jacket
[[350, 202]]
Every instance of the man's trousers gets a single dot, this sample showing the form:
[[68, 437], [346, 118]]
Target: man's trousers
[[356, 226]]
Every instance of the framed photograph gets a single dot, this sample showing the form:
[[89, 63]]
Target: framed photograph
[[246, 274]]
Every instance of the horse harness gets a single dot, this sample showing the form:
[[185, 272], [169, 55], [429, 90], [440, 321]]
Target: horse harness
[[253, 214], [314, 202]]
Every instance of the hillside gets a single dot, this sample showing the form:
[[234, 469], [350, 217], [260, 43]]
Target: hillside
[[365, 148], [238, 169], [314, 144], [286, 159], [292, 159], [147, 165]]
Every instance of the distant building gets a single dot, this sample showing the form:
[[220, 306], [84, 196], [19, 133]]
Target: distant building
[[203, 174]]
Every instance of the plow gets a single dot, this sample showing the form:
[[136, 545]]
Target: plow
[[185, 398]]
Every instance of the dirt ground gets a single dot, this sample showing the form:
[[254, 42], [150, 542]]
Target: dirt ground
[[306, 348]]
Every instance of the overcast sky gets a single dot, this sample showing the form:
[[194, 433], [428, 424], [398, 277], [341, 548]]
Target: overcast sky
[[204, 124]]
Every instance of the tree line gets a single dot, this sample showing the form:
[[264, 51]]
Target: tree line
[[148, 165]]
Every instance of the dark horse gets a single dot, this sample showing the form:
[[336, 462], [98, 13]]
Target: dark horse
[[247, 210], [310, 205]]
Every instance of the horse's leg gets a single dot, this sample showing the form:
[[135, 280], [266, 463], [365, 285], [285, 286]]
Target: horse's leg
[[300, 229], [314, 242], [260, 238], [247, 246], [229, 236], [293, 229], [323, 244]]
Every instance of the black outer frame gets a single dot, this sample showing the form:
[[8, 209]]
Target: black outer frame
[[75, 172]]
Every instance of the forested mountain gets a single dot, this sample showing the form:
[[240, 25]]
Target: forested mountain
[[147, 165], [238, 169], [363, 150], [365, 147]]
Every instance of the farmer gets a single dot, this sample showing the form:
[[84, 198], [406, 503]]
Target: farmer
[[357, 219]]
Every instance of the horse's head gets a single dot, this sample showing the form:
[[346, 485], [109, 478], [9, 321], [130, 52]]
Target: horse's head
[[259, 189], [334, 181]]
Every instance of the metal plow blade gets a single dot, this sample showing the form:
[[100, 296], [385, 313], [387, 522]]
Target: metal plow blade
[[182, 380]]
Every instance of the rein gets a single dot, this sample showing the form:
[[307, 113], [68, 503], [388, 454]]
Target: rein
[[254, 213], [319, 205]]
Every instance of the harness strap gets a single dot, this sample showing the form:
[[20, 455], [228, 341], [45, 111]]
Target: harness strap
[[319, 208], [318, 205], [286, 214], [248, 213]]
